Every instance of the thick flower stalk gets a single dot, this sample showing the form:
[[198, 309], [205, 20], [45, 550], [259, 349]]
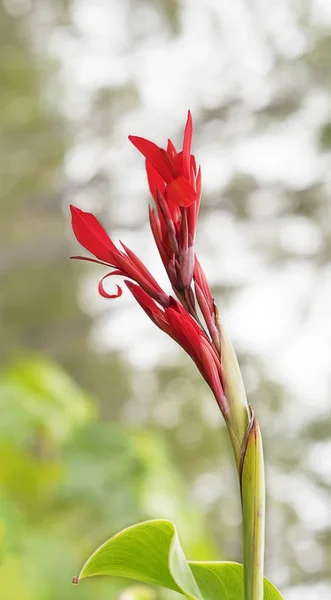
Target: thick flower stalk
[[190, 317]]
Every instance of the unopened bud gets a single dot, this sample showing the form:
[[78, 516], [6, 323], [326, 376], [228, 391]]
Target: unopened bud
[[237, 415]]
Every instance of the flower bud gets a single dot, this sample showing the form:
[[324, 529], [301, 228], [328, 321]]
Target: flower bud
[[237, 415]]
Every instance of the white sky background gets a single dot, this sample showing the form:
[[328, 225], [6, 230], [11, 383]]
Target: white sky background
[[223, 50], [176, 74]]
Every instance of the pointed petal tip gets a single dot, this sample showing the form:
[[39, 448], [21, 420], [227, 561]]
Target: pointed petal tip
[[187, 143], [77, 211], [189, 122], [136, 139], [73, 209], [129, 284], [154, 154]]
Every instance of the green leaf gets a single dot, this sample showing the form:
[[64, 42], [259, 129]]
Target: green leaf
[[151, 552]]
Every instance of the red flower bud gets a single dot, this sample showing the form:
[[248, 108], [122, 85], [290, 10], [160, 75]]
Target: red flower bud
[[175, 185]]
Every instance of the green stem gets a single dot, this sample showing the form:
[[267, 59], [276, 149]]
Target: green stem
[[247, 446], [251, 474]]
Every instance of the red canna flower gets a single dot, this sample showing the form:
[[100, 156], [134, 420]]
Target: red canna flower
[[175, 185]]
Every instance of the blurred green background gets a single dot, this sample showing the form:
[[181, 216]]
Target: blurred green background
[[103, 421]]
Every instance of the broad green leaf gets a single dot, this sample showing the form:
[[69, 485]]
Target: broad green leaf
[[150, 552]]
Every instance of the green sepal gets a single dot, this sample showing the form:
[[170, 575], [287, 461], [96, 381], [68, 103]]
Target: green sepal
[[251, 473]]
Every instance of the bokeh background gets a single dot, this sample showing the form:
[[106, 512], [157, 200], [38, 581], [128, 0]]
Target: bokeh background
[[104, 422]]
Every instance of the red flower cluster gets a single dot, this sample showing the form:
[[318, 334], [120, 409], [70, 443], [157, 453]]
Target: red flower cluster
[[175, 184]]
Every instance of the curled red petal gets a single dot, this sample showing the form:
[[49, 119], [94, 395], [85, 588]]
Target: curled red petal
[[91, 235], [156, 156], [181, 192], [102, 290]]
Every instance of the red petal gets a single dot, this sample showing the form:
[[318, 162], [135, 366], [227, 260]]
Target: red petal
[[142, 271], [180, 192], [164, 207], [171, 150], [88, 259], [184, 329], [191, 223], [91, 235], [154, 154], [149, 306], [146, 302], [178, 168], [186, 262], [201, 279], [208, 314], [187, 145], [211, 372], [198, 188], [157, 234], [193, 165], [102, 291], [155, 180]]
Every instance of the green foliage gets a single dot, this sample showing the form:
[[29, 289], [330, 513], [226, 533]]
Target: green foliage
[[151, 552], [36, 391], [66, 477]]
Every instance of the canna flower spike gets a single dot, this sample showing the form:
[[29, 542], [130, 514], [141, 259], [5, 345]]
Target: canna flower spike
[[174, 226], [175, 185]]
